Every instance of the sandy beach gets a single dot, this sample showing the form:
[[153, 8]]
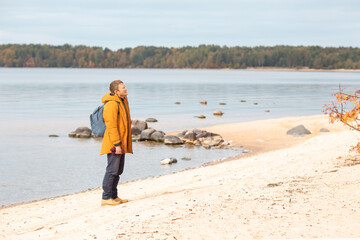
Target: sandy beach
[[286, 187]]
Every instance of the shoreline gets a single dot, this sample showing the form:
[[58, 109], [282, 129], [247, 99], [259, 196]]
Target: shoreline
[[290, 188], [252, 144], [300, 69], [305, 69]]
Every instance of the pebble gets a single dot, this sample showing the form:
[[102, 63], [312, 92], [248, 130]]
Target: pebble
[[168, 161]]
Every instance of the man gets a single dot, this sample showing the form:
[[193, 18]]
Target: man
[[117, 137]]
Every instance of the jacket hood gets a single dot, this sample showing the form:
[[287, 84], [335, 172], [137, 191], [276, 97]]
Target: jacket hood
[[110, 97]]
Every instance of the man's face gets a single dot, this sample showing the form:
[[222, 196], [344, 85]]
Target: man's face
[[122, 90]]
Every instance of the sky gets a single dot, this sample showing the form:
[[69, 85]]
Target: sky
[[119, 24]]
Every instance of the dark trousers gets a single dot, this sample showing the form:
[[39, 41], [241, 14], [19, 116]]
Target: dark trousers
[[114, 169]]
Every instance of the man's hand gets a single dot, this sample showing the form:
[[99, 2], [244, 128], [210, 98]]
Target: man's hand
[[119, 150]]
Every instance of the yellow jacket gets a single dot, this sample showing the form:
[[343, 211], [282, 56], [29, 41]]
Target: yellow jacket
[[117, 119]]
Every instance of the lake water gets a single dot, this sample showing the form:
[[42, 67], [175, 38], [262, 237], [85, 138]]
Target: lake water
[[37, 102]]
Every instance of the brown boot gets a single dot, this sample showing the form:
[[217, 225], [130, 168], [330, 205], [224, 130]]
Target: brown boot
[[110, 202], [121, 200]]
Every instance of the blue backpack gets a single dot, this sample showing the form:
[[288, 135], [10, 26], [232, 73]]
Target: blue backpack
[[97, 122]]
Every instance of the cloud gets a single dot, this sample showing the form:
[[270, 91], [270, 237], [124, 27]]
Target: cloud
[[117, 24]]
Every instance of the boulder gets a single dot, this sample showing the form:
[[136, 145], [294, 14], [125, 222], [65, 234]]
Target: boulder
[[72, 134], [141, 125], [201, 116], [190, 135], [181, 134], [218, 113], [157, 136], [203, 134], [222, 103], [214, 134], [211, 142], [53, 135], [177, 102], [135, 130], [84, 135], [298, 131], [186, 158], [172, 140], [83, 130], [151, 120], [324, 130], [146, 134], [255, 103], [205, 141], [215, 142], [168, 161], [243, 101], [267, 110], [197, 131], [203, 102]]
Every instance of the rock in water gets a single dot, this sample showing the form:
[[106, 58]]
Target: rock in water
[[298, 131], [83, 130], [181, 134], [168, 161], [72, 134], [172, 140], [151, 120], [202, 134], [218, 113], [141, 125], [84, 135], [54, 135], [190, 136], [146, 134], [135, 130], [157, 136]]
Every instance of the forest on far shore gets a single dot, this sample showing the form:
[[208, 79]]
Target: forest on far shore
[[203, 56]]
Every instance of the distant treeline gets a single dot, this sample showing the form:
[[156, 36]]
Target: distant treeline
[[203, 56]]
